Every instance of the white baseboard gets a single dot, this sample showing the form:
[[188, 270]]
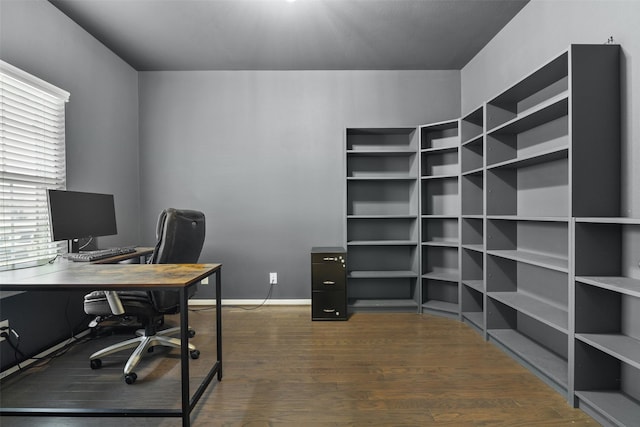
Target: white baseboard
[[226, 302]]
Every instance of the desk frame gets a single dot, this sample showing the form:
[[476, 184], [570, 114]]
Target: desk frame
[[188, 402]]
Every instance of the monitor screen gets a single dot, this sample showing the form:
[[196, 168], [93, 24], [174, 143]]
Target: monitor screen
[[76, 215]]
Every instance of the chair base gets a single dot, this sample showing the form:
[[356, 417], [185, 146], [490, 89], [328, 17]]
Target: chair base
[[142, 343]]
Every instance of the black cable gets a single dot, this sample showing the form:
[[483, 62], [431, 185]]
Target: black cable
[[86, 243], [6, 334], [259, 305], [72, 341]]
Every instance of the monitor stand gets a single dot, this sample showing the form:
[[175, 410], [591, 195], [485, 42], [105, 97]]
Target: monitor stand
[[73, 246]]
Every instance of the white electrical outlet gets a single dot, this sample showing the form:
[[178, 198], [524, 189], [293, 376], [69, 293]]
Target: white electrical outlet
[[4, 324], [273, 278], [205, 281]]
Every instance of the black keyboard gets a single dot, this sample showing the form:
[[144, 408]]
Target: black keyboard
[[88, 256]]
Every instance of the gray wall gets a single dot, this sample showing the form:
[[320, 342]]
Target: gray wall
[[542, 30], [102, 113], [101, 141], [262, 154]]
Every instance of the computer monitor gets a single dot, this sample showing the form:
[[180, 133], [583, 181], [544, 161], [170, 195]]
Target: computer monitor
[[75, 215]]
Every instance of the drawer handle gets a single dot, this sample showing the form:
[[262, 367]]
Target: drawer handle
[[327, 258], [329, 310], [328, 282]]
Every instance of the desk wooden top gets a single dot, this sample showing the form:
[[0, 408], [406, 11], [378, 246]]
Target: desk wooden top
[[109, 277]]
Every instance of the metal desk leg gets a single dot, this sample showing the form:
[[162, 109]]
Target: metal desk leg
[[184, 357], [219, 321]]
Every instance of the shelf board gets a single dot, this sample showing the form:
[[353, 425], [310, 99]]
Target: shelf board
[[475, 171], [533, 159], [543, 312], [445, 276], [382, 152], [474, 117], [610, 220], [445, 243], [477, 247], [382, 243], [475, 317], [444, 176], [438, 150], [382, 178], [436, 305], [476, 139], [382, 274], [553, 108], [382, 303], [529, 218], [441, 216], [619, 346], [467, 215], [439, 126], [478, 285], [551, 365], [534, 258], [613, 405], [472, 216], [382, 216], [537, 80], [624, 285], [389, 130]]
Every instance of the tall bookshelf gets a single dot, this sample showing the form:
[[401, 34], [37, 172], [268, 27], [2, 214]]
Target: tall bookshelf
[[382, 168], [440, 216], [545, 138], [472, 289]]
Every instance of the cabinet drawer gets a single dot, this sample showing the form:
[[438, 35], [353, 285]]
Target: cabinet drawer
[[327, 276], [328, 257], [328, 305]]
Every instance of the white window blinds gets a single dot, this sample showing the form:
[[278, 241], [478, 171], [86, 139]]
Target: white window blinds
[[32, 159]]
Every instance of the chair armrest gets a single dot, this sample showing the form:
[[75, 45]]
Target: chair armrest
[[114, 302]]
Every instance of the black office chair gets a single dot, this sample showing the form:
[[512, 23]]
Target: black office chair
[[180, 235]]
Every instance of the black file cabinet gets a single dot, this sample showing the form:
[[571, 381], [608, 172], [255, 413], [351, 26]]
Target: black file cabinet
[[328, 283]]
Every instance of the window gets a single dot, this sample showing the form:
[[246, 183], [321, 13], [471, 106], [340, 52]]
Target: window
[[32, 159]]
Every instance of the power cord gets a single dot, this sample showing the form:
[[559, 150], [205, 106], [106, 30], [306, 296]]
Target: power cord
[[87, 243], [7, 333], [259, 305], [240, 306]]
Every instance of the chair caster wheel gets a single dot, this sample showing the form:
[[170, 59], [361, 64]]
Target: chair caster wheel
[[95, 363], [130, 378], [195, 354], [191, 333]]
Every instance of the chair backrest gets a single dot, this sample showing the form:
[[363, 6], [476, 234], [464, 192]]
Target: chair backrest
[[180, 236]]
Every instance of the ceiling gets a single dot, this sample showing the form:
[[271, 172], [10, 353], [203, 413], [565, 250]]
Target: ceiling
[[293, 35]]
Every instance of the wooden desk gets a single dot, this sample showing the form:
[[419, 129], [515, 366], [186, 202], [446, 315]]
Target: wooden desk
[[65, 276]]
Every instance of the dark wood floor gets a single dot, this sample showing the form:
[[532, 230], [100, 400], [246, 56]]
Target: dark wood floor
[[282, 369]]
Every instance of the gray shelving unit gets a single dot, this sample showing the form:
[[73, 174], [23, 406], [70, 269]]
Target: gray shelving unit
[[513, 226], [545, 137], [440, 216], [472, 245], [382, 169], [607, 319]]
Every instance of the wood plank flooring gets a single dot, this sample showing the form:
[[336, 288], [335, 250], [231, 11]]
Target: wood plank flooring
[[281, 369]]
